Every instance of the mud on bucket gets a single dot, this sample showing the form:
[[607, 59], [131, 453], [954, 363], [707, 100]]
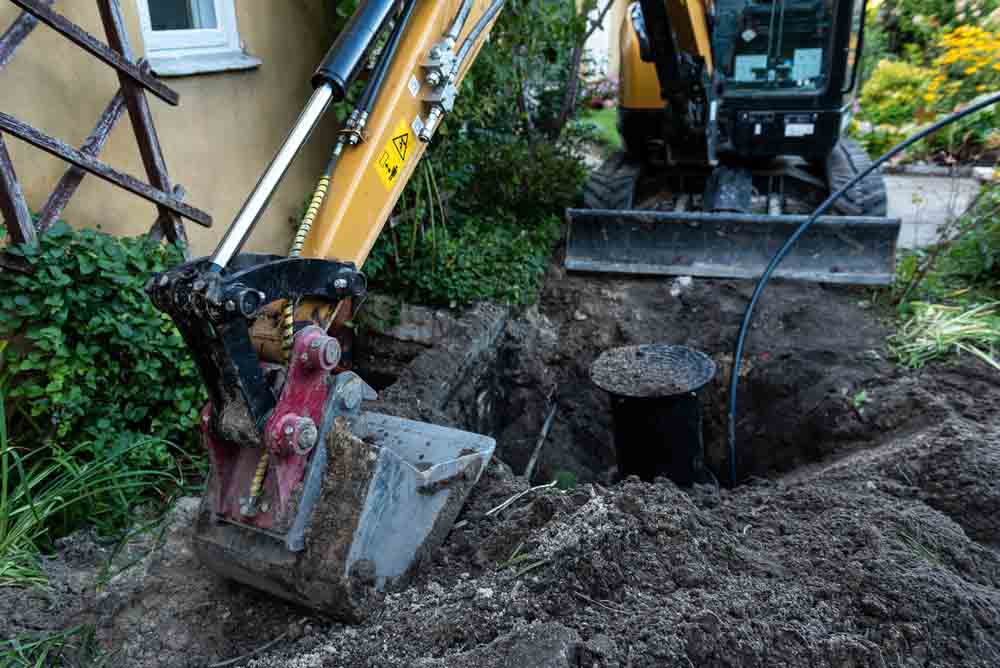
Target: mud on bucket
[[656, 409]]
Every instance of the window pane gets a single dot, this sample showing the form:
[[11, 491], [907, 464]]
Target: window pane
[[182, 14], [782, 44]]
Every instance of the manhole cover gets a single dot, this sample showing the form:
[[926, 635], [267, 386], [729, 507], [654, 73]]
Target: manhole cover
[[652, 370]]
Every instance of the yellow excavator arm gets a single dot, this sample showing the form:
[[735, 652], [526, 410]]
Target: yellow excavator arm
[[427, 51], [309, 496], [371, 175]]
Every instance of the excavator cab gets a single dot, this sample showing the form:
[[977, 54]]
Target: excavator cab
[[732, 115]]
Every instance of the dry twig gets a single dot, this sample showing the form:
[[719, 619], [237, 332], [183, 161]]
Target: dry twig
[[517, 496], [546, 426]]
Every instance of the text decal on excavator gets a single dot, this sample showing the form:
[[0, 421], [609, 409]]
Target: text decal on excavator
[[391, 161]]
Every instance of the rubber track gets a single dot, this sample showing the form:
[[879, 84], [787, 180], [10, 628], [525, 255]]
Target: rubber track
[[612, 185]]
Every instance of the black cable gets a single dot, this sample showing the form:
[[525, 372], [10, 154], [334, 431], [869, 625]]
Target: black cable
[[784, 250]]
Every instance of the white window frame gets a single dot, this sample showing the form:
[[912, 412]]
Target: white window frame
[[196, 51]]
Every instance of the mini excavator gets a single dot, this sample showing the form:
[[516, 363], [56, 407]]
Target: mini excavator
[[316, 500], [732, 115]]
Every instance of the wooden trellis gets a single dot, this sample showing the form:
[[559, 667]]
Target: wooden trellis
[[134, 79]]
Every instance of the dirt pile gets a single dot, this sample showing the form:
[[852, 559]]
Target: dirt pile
[[845, 565], [871, 542]]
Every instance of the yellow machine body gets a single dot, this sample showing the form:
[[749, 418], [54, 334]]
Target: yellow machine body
[[638, 86], [362, 195], [690, 21]]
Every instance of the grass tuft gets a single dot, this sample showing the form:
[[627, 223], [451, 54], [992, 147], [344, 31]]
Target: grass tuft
[[73, 648], [937, 330], [48, 486]]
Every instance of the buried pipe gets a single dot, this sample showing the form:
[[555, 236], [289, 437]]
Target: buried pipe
[[734, 374], [656, 409]]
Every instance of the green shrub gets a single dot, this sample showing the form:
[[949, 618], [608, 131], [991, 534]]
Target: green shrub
[[47, 492], [964, 267], [520, 77], [491, 259], [88, 358], [480, 217], [974, 255], [894, 93], [913, 26], [510, 176], [877, 139]]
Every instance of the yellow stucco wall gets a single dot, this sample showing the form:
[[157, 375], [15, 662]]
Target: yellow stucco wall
[[216, 143], [613, 25]]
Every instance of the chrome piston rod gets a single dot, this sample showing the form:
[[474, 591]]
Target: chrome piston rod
[[257, 202]]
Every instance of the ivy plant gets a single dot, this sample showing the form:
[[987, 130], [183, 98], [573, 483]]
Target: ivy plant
[[87, 357]]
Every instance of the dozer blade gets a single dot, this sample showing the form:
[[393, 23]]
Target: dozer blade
[[378, 496], [836, 249]]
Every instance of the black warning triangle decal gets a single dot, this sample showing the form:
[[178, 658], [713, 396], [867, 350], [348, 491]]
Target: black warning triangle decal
[[401, 143]]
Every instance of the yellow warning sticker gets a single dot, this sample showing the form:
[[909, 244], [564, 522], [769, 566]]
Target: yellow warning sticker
[[390, 162]]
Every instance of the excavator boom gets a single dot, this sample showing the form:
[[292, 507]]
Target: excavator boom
[[310, 497]]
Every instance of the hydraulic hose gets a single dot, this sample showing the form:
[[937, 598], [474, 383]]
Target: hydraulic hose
[[476, 31], [784, 250], [367, 102], [456, 26], [363, 108]]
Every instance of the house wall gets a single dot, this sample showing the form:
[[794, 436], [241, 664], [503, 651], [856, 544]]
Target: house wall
[[613, 27], [603, 43], [216, 143]]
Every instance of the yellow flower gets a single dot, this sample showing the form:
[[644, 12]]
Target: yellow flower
[[930, 98], [980, 88], [971, 70]]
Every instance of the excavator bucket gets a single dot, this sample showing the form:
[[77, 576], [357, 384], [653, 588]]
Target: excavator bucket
[[378, 497], [309, 497], [836, 249]]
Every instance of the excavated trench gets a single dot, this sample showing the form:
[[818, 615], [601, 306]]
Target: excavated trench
[[876, 537], [815, 383]]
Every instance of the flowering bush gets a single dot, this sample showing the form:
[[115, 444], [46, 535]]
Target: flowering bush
[[900, 97], [968, 66], [601, 94], [895, 92]]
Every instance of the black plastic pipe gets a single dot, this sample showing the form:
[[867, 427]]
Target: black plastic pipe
[[734, 377]]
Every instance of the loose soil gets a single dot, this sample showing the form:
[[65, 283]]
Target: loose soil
[[865, 532]]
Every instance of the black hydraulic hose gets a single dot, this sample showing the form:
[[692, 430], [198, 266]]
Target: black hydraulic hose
[[370, 94], [784, 250], [460, 19], [476, 31]]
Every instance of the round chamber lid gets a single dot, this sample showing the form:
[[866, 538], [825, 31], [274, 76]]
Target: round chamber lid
[[652, 370]]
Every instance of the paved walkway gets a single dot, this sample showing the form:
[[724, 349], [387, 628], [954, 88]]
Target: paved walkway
[[924, 203]]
